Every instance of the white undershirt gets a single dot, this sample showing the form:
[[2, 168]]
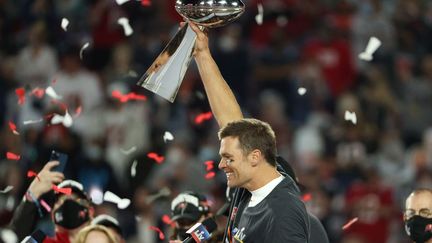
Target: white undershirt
[[259, 194]]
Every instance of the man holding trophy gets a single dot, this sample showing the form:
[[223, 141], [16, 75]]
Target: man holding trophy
[[266, 206]]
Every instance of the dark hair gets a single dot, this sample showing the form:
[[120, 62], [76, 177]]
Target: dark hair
[[252, 134]]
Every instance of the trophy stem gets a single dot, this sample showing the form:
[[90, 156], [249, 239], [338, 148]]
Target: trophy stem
[[165, 75]]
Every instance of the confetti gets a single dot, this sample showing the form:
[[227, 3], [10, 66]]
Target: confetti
[[210, 175], [120, 2], [168, 136], [28, 122], [12, 156], [64, 24], [38, 92], [156, 157], [306, 197], [129, 151], [66, 190], [301, 91], [20, 92], [45, 205], [351, 222], [132, 74], [62, 105], [146, 3], [7, 189], [209, 164], [51, 93], [122, 203], [8, 236], [161, 234], [164, 192], [133, 168], [125, 98], [167, 220], [87, 44], [31, 174], [351, 116], [260, 16], [96, 195], [203, 117], [12, 127], [124, 22], [373, 45], [66, 120], [200, 95], [281, 21]]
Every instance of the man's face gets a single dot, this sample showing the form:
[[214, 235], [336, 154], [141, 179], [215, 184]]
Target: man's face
[[234, 163], [418, 204]]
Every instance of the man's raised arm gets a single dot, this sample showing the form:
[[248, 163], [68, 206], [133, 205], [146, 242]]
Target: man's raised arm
[[221, 98]]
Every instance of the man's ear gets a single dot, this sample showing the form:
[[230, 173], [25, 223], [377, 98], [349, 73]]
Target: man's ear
[[255, 157]]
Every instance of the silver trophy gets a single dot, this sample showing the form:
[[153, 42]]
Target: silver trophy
[[165, 75]]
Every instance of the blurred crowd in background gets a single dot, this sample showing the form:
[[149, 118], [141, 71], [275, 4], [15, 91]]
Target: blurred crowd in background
[[362, 170]]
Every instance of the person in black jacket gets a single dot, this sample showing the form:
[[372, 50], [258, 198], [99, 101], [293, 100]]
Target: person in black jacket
[[266, 206], [70, 212]]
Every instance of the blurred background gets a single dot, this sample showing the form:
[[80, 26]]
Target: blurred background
[[362, 170]]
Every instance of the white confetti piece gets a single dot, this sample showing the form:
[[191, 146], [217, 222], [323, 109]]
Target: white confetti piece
[[8, 236], [122, 203], [164, 192], [85, 46], [120, 2], [132, 74], [301, 91], [51, 93], [168, 136], [96, 195], [351, 222], [133, 168], [28, 122], [7, 189], [260, 16], [129, 151], [64, 24], [373, 44], [281, 21], [124, 22], [66, 120], [351, 116]]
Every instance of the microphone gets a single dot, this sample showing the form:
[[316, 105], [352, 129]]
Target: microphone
[[201, 231], [36, 237]]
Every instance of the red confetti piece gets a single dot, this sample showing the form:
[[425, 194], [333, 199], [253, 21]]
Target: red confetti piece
[[156, 157], [203, 117], [125, 98], [12, 156], [146, 3], [307, 197], [20, 92], [209, 164], [31, 173], [54, 81], [78, 111], [351, 222], [13, 127], [161, 234], [38, 92], [210, 175], [167, 220], [66, 190]]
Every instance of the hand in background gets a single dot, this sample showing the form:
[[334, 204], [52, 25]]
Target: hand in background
[[45, 179]]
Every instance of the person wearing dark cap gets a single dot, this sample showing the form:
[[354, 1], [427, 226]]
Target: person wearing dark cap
[[111, 224], [187, 209], [70, 213]]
